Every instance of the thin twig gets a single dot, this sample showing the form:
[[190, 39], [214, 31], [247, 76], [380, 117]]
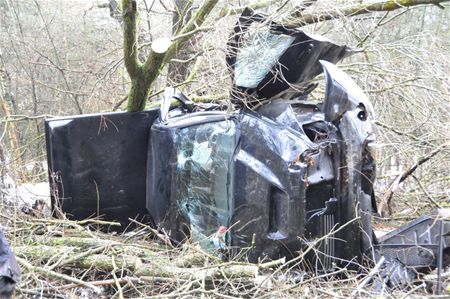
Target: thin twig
[[50, 273]]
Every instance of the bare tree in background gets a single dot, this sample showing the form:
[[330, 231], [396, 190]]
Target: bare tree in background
[[178, 69]]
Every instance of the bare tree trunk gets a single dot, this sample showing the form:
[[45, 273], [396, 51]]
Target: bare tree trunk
[[13, 143], [11, 130], [178, 71]]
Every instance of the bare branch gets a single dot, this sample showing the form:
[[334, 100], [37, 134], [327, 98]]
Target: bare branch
[[299, 19], [386, 201], [229, 10], [187, 31]]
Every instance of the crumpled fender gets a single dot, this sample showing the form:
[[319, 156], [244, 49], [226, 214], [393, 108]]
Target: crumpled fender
[[344, 96]]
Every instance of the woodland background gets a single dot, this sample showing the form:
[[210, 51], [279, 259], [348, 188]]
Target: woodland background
[[65, 57]]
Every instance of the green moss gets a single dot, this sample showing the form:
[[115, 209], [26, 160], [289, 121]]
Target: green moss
[[138, 94]]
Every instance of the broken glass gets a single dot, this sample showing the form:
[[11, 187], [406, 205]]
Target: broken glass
[[257, 58], [204, 170]]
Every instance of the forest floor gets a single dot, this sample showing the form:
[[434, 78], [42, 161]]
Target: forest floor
[[60, 258]]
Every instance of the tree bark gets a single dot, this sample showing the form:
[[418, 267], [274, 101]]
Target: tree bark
[[13, 139], [138, 92]]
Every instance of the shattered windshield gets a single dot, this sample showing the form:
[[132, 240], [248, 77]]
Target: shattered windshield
[[255, 60], [204, 170]]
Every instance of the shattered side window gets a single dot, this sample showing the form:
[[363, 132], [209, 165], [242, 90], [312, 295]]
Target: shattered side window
[[204, 172], [257, 57]]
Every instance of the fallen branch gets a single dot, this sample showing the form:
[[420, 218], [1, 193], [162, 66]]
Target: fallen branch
[[50, 273], [101, 262], [107, 282], [158, 267], [77, 222], [369, 276], [216, 272], [142, 251], [81, 243], [77, 257], [116, 280]]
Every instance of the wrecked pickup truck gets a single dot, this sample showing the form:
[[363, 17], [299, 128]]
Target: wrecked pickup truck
[[274, 176]]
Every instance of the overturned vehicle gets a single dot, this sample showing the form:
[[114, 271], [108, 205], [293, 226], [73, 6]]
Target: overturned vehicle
[[278, 174]]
